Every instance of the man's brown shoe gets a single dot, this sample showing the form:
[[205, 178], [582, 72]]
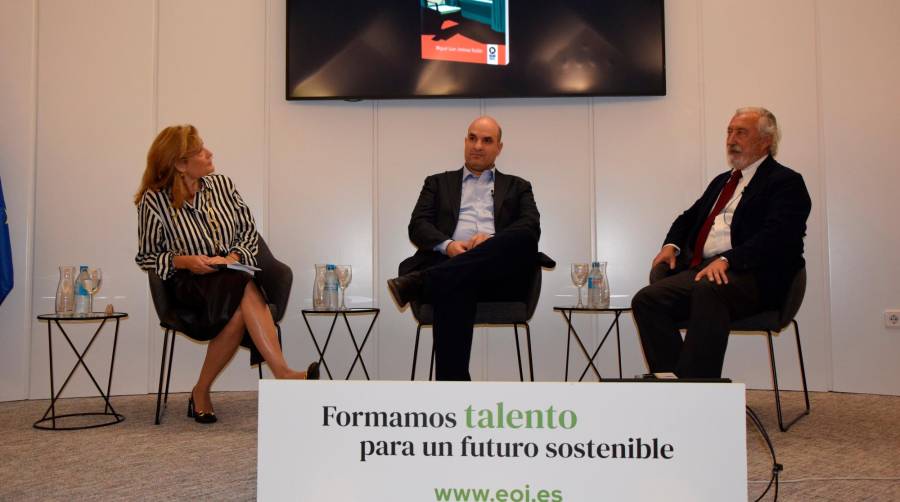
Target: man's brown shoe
[[405, 288]]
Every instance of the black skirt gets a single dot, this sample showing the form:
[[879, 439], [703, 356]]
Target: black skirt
[[206, 302]]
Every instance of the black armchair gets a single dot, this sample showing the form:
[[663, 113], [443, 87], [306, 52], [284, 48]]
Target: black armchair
[[771, 322], [493, 313], [275, 280]]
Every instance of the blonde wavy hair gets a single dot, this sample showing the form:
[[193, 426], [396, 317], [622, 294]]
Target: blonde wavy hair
[[172, 145]]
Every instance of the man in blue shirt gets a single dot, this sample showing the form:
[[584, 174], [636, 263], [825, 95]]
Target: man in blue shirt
[[476, 230]]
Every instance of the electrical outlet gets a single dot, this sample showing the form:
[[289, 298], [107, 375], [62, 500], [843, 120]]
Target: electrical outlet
[[892, 318]]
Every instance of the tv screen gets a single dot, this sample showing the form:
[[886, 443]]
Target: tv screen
[[357, 49]]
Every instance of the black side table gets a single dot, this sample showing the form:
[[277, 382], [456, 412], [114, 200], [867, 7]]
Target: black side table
[[108, 410], [616, 307], [358, 346]]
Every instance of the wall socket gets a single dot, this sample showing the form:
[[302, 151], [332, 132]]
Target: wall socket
[[892, 318]]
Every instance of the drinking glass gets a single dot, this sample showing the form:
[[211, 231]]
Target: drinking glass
[[92, 284], [579, 277], [345, 274]]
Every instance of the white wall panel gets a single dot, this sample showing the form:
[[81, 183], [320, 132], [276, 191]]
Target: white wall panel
[[17, 60], [648, 169], [95, 88], [547, 142], [321, 210], [336, 181], [860, 112], [320, 205], [211, 73], [770, 61]]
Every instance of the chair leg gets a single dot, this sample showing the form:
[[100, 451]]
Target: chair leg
[[412, 376], [781, 424], [802, 366], [775, 380], [162, 367], [518, 351], [431, 366], [169, 372], [528, 341]]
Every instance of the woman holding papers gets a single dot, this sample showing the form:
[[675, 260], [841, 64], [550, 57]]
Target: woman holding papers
[[191, 225]]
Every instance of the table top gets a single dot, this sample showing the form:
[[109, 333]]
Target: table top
[[93, 316], [612, 307], [348, 310]]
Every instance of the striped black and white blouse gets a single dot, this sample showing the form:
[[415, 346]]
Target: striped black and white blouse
[[215, 222]]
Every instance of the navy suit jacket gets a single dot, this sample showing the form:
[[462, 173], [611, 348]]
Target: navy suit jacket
[[436, 213], [767, 230]]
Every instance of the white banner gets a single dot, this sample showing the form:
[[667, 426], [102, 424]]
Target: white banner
[[501, 442]]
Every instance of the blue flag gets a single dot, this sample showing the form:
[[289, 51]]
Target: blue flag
[[6, 263]]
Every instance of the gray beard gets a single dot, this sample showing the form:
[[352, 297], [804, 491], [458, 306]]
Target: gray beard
[[736, 162], [739, 161]]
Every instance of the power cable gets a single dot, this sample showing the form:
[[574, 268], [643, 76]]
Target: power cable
[[776, 467]]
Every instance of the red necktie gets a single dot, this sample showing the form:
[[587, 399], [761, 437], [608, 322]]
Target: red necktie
[[724, 197]]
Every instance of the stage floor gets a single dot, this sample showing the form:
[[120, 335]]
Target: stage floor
[[846, 450]]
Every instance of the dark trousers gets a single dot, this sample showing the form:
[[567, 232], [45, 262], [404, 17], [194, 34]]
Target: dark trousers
[[500, 269], [707, 307]]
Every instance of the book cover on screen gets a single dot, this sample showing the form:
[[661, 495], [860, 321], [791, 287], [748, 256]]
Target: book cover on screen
[[465, 31]]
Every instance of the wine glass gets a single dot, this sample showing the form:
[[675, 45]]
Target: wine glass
[[345, 274], [92, 284], [579, 277]]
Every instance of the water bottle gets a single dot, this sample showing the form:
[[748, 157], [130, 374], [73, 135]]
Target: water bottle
[[595, 286], [65, 291], [331, 287], [82, 297]]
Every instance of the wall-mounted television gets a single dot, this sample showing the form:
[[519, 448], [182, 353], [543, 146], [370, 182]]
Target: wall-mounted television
[[391, 49]]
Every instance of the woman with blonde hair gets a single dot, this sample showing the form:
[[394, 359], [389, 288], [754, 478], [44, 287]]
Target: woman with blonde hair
[[191, 223]]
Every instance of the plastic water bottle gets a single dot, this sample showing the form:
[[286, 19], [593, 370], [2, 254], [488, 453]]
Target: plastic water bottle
[[595, 286], [331, 287], [82, 297]]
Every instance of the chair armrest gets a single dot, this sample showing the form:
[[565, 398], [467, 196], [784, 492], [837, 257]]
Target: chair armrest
[[794, 299], [660, 271], [275, 278], [534, 292], [545, 261], [163, 305]]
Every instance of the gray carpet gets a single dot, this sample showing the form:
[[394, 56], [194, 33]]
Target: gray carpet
[[848, 449]]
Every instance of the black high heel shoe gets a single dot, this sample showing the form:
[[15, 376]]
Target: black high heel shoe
[[201, 417], [312, 372]]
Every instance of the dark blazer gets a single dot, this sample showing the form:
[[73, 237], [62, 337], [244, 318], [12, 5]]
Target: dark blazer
[[767, 230], [436, 213]]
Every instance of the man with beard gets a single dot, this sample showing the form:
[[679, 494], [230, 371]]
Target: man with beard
[[731, 255]]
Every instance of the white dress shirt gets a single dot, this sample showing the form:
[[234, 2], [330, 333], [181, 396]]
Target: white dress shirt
[[719, 239]]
